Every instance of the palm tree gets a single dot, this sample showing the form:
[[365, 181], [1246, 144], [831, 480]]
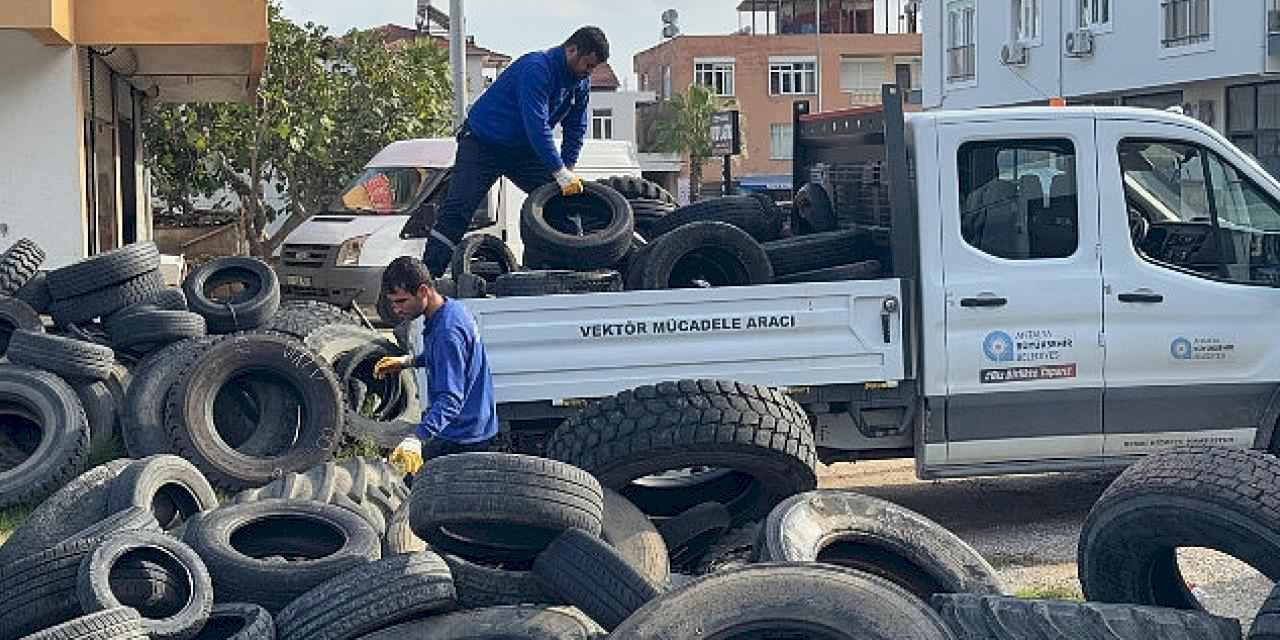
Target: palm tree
[[687, 130]]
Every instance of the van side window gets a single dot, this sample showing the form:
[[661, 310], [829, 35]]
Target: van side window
[[1018, 198], [1190, 209]]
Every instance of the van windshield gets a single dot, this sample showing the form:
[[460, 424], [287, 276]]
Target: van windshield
[[385, 190]]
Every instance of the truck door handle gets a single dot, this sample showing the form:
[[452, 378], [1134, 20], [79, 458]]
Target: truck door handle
[[1149, 298], [983, 302]]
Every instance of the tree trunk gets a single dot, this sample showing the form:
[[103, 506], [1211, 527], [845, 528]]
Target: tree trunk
[[695, 179]]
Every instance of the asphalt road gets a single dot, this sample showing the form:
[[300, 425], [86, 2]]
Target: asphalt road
[[1028, 528]]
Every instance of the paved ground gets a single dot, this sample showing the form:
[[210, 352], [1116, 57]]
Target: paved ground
[[1028, 527]]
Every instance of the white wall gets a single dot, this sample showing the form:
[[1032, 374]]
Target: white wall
[[623, 104], [41, 192]]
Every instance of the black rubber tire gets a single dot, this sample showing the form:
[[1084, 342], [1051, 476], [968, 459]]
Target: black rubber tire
[[19, 264], [648, 213], [877, 537], [756, 431], [163, 579], [171, 488], [747, 213], [143, 428], [811, 210], [167, 299], [104, 270], [372, 597], [790, 256], [99, 410], [78, 505], [400, 410], [733, 550], [501, 506], [545, 283], [483, 247], [1266, 625], [865, 270], [523, 622], [36, 293], [976, 617], [236, 540], [16, 314], [370, 488], [43, 401], [114, 624], [130, 519], [144, 331], [804, 600], [67, 357], [481, 585], [191, 425], [101, 303], [39, 590], [716, 253], [543, 230], [400, 538], [301, 318], [594, 577], [689, 535], [336, 340], [629, 530], [249, 309], [633, 188], [1218, 499], [238, 621]]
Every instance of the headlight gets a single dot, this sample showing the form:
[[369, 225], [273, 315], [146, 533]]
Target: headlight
[[349, 252]]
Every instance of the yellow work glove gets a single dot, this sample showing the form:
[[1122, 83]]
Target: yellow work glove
[[570, 185], [390, 366], [408, 455]]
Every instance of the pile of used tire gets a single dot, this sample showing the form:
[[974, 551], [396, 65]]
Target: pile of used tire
[[626, 233]]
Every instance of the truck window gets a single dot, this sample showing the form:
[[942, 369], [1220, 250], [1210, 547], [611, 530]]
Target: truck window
[[1018, 198], [1189, 208]]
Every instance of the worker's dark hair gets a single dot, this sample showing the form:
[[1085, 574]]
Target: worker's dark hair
[[589, 40], [406, 274]]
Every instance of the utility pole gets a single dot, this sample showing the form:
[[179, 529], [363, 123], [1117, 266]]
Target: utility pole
[[458, 59], [818, 63]]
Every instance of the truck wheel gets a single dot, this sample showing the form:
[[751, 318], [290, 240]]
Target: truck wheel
[[864, 270], [145, 331], [520, 622], [19, 264], [46, 434], [704, 254], [483, 248], [101, 303], [121, 623], [747, 213], [28, 605], [143, 428], [171, 488], [758, 439], [594, 577], [238, 621], [369, 488], [978, 617], [648, 214], [811, 212], [75, 507], [633, 188], [301, 318], [253, 293], [400, 538], [1219, 499], [163, 579], [690, 534], [545, 283], [67, 357], [99, 409], [104, 270], [630, 531], [14, 315], [481, 585], [397, 411], [817, 251], [785, 601], [877, 537], [589, 231], [36, 293]]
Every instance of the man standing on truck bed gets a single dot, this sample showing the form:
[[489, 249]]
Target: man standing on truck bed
[[508, 133], [461, 415]]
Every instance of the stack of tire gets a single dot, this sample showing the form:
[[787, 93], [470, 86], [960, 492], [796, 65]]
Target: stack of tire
[[819, 250]]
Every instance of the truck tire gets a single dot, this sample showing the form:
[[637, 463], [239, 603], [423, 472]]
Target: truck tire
[[813, 600], [733, 550], [333, 341], [1183, 497], [811, 211], [19, 264], [163, 579], [588, 231], [36, 293], [400, 538], [790, 256], [744, 212], [171, 488], [46, 428], [14, 315], [237, 543], [501, 506], [130, 519], [865, 270], [101, 303], [399, 410], [104, 270], [99, 410], [704, 254], [594, 577], [520, 622], [301, 318], [371, 597], [114, 624], [1266, 625], [481, 585], [546, 283], [191, 424], [369, 488], [486, 248], [67, 357], [28, 605], [143, 429], [249, 308], [877, 537], [629, 530], [691, 534], [238, 621], [978, 617], [648, 214], [144, 331], [758, 433], [78, 505], [633, 188]]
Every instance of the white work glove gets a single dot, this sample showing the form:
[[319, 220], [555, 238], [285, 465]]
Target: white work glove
[[408, 455], [570, 185], [391, 365]]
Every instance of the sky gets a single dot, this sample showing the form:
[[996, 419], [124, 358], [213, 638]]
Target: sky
[[515, 27]]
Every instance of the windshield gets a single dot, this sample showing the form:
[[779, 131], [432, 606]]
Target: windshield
[[385, 191]]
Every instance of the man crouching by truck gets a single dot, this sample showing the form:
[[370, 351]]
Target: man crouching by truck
[[461, 416]]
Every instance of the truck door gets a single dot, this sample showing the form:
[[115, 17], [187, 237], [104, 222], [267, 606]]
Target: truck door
[[1191, 256], [1023, 292]]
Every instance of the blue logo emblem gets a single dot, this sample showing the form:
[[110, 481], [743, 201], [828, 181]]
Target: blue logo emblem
[[998, 347], [1181, 349]]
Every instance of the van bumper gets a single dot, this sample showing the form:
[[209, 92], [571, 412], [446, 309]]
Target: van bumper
[[336, 285]]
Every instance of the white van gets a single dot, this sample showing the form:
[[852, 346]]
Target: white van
[[337, 256]]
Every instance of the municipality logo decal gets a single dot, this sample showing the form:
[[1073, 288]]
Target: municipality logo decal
[[1181, 349], [998, 347]]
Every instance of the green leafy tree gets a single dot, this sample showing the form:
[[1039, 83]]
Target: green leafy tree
[[686, 130], [325, 105]]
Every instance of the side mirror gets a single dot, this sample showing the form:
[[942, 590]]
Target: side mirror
[[421, 222]]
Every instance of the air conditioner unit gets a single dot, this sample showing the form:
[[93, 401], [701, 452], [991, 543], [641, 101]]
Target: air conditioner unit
[[1013, 54], [1080, 43]]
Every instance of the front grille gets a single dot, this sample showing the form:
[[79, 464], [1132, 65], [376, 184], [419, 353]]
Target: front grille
[[305, 255]]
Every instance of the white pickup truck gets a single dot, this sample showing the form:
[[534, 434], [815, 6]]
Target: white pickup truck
[[1063, 289]]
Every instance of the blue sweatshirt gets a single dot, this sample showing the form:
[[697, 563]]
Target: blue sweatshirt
[[461, 390], [526, 103]]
